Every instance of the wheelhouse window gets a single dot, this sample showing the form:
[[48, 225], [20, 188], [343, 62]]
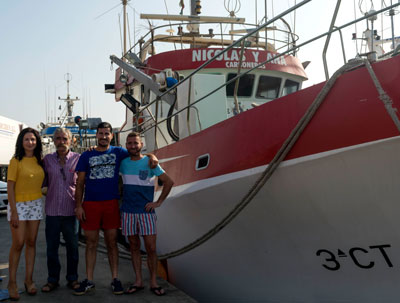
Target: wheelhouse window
[[268, 87], [290, 87], [246, 84]]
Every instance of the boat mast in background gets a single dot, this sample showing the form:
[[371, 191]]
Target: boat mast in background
[[67, 119]]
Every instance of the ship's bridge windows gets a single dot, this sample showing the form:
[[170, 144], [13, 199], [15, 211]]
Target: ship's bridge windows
[[246, 84], [290, 87], [268, 87]]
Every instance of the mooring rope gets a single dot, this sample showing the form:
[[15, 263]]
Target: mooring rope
[[387, 101]]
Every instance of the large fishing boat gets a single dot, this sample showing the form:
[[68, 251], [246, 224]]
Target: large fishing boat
[[282, 193]]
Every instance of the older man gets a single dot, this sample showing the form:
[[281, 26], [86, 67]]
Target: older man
[[60, 210]]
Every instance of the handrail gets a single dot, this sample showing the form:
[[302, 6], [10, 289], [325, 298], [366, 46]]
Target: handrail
[[235, 90], [216, 42], [154, 29], [328, 38], [341, 41]]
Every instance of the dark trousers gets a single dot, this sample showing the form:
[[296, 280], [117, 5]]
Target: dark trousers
[[68, 227]]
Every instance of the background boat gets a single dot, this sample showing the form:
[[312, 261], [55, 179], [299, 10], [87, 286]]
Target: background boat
[[83, 130]]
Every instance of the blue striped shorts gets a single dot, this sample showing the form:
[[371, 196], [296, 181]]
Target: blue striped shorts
[[138, 224]]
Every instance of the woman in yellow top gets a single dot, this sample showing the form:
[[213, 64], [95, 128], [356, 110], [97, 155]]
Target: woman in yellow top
[[24, 210]]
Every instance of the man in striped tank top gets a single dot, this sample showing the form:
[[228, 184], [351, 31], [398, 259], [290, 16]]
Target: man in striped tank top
[[138, 217]]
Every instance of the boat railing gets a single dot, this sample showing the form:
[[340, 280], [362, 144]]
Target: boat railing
[[328, 38], [157, 121], [279, 39]]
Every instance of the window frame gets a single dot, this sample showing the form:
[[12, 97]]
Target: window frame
[[233, 83]]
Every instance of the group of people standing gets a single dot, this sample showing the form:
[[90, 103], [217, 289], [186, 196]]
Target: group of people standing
[[83, 187]]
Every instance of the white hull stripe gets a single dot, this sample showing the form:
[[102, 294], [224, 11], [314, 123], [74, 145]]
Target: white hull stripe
[[201, 184], [170, 159]]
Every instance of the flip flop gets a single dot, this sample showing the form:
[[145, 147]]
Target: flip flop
[[133, 289], [157, 291]]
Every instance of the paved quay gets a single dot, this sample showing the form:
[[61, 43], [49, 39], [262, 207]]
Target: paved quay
[[102, 276]]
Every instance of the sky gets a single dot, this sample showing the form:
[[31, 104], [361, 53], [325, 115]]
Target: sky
[[43, 40]]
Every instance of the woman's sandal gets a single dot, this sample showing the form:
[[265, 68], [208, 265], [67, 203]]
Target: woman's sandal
[[48, 287], [13, 293], [31, 289]]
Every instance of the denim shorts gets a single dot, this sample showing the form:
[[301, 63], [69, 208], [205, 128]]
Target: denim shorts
[[28, 210]]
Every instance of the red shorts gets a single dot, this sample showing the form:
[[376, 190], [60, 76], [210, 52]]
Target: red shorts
[[101, 214]]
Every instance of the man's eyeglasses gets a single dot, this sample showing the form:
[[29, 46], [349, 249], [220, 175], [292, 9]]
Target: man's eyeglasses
[[63, 173]]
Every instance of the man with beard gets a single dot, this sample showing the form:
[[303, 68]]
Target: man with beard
[[98, 174], [60, 205], [138, 217]]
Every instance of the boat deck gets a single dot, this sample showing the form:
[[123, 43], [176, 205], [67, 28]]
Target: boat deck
[[102, 276]]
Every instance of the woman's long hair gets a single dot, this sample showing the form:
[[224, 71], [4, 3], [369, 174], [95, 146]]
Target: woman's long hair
[[19, 147]]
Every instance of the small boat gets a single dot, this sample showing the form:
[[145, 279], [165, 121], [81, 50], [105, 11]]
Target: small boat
[[282, 193]]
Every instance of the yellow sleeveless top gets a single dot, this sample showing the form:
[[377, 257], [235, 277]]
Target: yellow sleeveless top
[[28, 176]]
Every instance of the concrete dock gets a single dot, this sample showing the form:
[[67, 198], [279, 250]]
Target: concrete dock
[[102, 276]]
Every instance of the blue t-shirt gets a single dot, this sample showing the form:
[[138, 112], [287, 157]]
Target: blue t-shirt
[[102, 173], [138, 180]]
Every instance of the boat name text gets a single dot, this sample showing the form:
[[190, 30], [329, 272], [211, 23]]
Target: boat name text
[[358, 255], [231, 58]]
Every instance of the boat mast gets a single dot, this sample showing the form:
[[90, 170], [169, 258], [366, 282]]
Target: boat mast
[[68, 119]]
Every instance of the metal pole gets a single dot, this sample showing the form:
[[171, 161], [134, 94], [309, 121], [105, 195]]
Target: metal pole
[[372, 35], [235, 98], [256, 22], [391, 14], [124, 3], [266, 32], [343, 51], [328, 38]]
